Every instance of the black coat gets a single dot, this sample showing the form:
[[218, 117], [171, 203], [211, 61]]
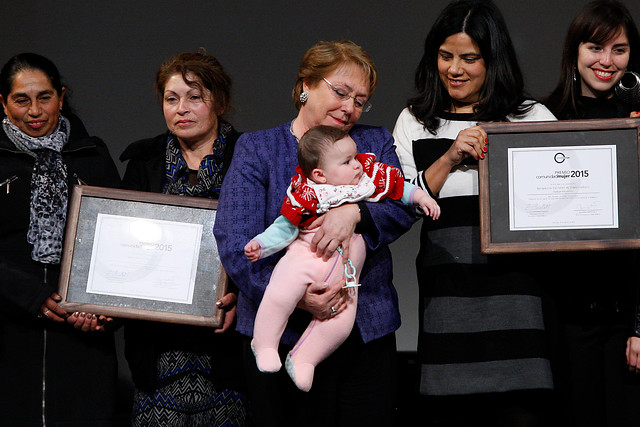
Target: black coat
[[77, 370], [145, 341]]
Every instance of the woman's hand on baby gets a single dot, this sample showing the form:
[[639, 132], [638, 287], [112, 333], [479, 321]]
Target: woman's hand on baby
[[324, 300], [252, 250], [335, 229]]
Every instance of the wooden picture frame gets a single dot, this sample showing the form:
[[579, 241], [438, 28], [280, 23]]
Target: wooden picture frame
[[533, 198], [141, 255]]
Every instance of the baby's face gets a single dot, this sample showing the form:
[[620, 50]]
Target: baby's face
[[340, 165]]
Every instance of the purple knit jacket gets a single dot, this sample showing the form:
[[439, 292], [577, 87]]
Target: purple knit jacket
[[251, 197]]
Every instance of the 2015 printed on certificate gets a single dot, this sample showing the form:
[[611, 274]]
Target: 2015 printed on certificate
[[566, 187], [560, 186], [142, 255]]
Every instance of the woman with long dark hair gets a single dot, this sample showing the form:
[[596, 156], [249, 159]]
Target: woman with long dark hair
[[482, 342], [598, 338], [601, 46]]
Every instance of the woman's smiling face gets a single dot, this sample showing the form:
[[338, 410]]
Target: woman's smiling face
[[462, 71], [601, 66], [33, 104]]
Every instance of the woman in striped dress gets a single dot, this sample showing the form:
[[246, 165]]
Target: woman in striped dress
[[482, 343]]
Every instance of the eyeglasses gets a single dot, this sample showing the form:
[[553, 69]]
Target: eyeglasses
[[360, 102]]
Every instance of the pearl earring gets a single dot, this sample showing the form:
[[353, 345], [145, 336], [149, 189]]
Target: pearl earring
[[304, 96]]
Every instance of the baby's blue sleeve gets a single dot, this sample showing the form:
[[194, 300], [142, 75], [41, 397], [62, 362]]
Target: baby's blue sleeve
[[407, 194], [277, 236]]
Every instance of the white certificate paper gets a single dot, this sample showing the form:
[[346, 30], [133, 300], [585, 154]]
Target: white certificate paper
[[563, 187], [144, 258]]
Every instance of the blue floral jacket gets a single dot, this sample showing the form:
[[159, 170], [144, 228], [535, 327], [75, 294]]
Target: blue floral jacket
[[251, 197]]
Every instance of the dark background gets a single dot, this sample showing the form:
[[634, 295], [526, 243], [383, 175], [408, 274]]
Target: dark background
[[109, 51]]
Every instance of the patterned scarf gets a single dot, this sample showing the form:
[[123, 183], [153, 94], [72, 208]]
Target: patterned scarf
[[209, 177], [49, 190]]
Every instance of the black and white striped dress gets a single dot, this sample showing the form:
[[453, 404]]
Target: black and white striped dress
[[481, 318]]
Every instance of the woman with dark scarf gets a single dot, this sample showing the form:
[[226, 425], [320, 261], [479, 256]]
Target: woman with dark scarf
[[55, 368], [186, 375]]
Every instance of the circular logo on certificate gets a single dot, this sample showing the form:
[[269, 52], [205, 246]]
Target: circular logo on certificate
[[560, 157]]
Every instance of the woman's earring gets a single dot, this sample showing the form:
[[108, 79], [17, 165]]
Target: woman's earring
[[628, 89], [304, 96]]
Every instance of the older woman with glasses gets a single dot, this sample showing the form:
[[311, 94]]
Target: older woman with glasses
[[356, 383]]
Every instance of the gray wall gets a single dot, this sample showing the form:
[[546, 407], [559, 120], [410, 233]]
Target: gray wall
[[108, 52]]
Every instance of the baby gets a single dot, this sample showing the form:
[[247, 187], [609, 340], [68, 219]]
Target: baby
[[330, 173]]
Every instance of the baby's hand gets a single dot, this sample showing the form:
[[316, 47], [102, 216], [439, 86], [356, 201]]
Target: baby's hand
[[427, 203], [252, 251]]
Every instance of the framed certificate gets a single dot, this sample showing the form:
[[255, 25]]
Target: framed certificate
[[142, 255], [560, 186]]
